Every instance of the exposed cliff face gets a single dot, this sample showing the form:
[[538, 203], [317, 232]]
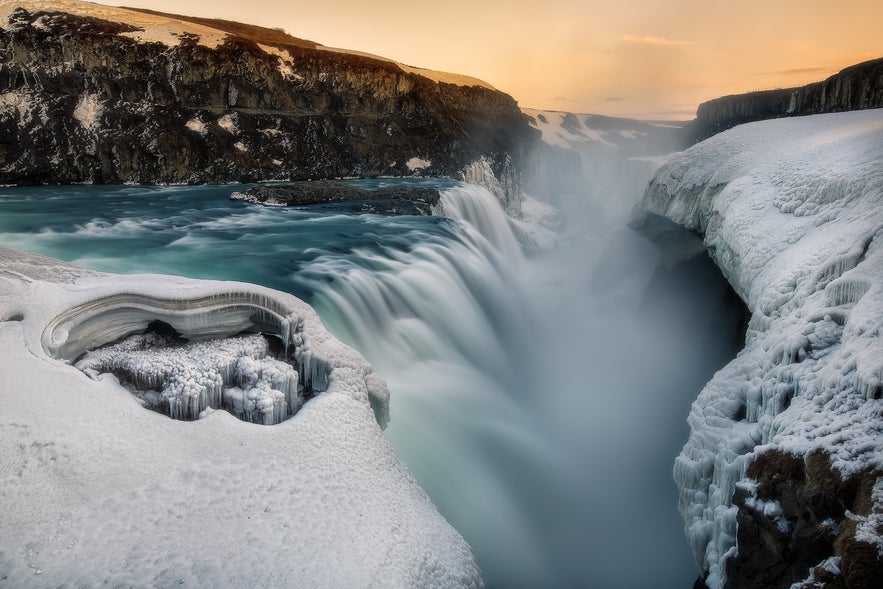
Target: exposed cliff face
[[855, 88], [781, 479], [85, 99]]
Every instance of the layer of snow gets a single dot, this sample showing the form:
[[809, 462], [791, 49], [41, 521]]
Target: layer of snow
[[168, 31], [196, 125], [155, 28], [228, 123], [549, 123], [792, 212], [416, 163], [88, 111], [99, 491]]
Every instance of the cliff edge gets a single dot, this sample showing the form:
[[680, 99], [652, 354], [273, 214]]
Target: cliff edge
[[781, 479], [91, 93], [857, 87]]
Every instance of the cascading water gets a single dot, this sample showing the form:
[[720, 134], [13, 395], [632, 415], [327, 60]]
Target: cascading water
[[540, 401]]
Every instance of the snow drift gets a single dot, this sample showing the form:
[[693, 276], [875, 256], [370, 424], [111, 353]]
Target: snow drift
[[105, 492], [780, 480]]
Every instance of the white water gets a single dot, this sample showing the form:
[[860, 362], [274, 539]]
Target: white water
[[535, 399]]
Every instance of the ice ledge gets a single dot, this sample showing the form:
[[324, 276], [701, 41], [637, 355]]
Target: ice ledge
[[82, 310], [792, 212]]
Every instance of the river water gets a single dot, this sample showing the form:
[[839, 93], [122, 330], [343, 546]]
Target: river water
[[540, 400]]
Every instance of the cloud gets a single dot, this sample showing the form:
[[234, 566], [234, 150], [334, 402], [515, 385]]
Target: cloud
[[650, 40], [805, 70], [613, 99]]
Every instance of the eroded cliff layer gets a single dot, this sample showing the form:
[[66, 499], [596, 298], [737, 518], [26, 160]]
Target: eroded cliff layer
[[781, 480], [105, 95]]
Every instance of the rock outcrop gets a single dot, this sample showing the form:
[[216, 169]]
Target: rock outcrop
[[389, 200], [854, 88], [97, 94]]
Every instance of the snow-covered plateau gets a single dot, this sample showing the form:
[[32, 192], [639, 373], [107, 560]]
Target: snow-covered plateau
[[780, 481], [99, 491]]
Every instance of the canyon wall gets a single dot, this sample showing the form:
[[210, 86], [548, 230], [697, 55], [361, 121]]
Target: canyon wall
[[854, 88], [107, 99]]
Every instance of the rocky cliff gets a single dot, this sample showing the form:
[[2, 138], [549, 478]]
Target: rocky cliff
[[97, 94], [854, 88], [781, 479]]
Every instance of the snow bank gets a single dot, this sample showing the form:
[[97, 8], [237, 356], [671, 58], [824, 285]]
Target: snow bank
[[792, 212], [153, 28], [100, 491]]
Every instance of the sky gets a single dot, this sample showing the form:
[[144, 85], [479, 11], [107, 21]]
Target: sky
[[650, 59]]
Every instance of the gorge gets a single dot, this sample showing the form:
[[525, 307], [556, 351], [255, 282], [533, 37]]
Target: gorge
[[520, 370]]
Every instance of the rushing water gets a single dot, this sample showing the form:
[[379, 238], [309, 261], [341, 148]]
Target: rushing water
[[540, 401]]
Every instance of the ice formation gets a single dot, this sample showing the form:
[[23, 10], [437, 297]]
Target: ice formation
[[792, 212], [237, 374], [102, 492], [321, 362]]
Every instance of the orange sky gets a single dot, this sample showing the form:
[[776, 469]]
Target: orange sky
[[641, 58]]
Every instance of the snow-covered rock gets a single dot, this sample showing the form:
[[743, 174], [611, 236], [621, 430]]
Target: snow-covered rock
[[784, 464], [99, 491]]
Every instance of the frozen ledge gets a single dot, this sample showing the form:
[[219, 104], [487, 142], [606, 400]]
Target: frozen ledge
[[781, 479], [322, 362]]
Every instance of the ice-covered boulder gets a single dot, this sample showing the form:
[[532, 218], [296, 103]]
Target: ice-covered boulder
[[781, 480], [98, 491]]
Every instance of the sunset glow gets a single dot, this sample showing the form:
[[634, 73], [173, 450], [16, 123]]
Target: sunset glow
[[639, 58]]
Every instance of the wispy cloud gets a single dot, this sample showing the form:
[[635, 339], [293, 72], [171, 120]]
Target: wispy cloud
[[804, 70], [650, 40], [613, 99]]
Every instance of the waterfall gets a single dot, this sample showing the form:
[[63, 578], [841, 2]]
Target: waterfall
[[533, 397], [445, 322], [479, 209], [539, 400]]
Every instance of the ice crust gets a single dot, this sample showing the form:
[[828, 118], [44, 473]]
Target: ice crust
[[237, 374], [792, 212], [99, 491]]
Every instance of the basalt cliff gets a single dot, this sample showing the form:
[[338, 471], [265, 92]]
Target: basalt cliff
[[91, 93], [855, 88]]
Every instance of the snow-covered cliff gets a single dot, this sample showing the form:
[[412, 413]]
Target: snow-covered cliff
[[99, 491], [781, 480]]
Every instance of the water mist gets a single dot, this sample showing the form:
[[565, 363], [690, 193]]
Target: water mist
[[541, 400]]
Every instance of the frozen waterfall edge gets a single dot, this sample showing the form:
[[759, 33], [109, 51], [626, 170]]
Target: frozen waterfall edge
[[781, 479], [98, 309]]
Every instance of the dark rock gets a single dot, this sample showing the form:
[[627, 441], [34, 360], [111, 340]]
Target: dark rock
[[80, 102], [778, 551], [390, 200], [855, 88]]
